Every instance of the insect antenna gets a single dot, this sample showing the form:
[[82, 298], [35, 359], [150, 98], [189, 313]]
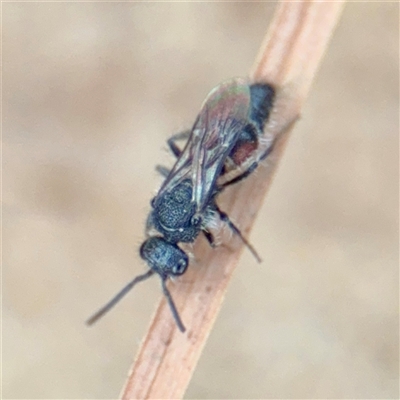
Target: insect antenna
[[172, 306], [107, 307]]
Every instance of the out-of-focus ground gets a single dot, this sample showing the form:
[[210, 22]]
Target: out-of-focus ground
[[91, 91]]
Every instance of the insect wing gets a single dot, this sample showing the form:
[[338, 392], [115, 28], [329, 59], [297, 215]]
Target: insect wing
[[222, 118]]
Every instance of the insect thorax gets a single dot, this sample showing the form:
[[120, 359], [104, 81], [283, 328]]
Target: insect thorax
[[174, 212]]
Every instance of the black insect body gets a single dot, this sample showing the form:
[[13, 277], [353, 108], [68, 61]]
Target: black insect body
[[226, 134], [173, 214]]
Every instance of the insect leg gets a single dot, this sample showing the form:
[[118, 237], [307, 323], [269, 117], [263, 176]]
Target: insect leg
[[240, 177], [225, 218], [210, 238], [176, 151], [164, 171], [172, 306]]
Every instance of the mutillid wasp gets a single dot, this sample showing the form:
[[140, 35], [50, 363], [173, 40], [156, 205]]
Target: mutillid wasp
[[222, 142]]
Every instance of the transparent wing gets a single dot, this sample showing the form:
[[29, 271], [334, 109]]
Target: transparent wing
[[222, 118]]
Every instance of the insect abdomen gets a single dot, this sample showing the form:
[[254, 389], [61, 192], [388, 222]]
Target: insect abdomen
[[262, 99]]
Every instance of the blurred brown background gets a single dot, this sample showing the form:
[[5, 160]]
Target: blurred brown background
[[91, 91]]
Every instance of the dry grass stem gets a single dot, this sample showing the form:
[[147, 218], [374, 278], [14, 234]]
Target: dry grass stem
[[290, 56]]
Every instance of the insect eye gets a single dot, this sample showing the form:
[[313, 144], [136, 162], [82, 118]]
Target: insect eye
[[180, 267]]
